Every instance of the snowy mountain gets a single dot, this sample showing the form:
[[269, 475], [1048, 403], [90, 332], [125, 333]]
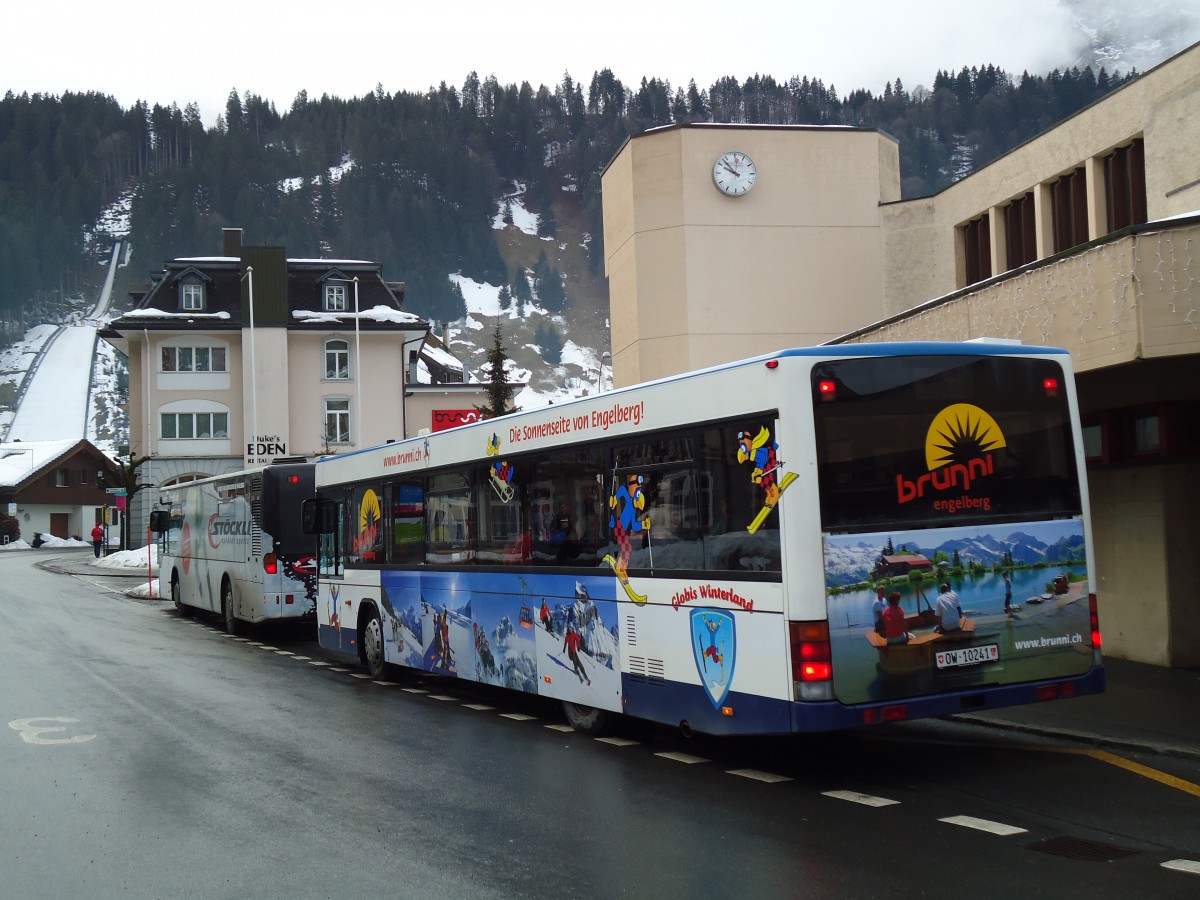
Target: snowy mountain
[[1122, 36]]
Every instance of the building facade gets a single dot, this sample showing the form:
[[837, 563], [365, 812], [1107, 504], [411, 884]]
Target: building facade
[[1083, 237], [59, 488], [240, 359]]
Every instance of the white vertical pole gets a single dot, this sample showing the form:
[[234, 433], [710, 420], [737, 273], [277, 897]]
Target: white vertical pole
[[358, 374], [253, 362]]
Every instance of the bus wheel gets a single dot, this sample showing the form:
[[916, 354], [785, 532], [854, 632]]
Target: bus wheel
[[585, 719], [370, 642], [177, 599], [231, 622]]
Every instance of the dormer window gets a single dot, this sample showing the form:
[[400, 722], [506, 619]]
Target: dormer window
[[191, 297], [335, 298]]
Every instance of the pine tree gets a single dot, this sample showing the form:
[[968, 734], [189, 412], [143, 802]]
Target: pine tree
[[499, 391]]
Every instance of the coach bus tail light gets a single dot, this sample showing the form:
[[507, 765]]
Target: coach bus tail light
[[812, 665], [270, 564], [1094, 618]]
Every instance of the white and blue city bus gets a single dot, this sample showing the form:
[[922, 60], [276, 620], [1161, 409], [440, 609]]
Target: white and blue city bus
[[706, 550], [233, 545]]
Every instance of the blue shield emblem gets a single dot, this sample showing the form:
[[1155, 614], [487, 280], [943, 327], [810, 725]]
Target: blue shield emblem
[[715, 647]]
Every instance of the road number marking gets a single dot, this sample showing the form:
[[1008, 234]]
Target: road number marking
[[31, 732]]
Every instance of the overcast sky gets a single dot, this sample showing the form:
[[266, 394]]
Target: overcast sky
[[164, 52]]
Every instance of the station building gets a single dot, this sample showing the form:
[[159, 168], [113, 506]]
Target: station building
[[1084, 237]]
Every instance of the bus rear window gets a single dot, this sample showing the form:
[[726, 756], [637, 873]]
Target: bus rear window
[[936, 440]]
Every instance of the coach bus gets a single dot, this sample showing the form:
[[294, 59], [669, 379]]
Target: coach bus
[[233, 545], [708, 550]]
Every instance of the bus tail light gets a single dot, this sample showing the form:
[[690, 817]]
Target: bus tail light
[[827, 389], [1094, 618], [270, 564], [812, 662]]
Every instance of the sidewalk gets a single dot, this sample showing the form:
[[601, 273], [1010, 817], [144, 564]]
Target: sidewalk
[[1145, 708], [82, 562]]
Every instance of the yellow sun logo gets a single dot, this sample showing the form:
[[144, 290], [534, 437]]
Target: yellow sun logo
[[369, 512], [960, 433]]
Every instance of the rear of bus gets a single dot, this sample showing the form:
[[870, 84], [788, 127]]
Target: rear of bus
[[947, 473], [287, 554]]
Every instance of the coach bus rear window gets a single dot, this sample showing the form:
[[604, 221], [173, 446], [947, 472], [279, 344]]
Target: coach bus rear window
[[935, 440]]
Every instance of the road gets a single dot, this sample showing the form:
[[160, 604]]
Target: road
[[193, 764]]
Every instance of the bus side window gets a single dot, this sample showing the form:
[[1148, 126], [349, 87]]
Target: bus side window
[[449, 517], [405, 523]]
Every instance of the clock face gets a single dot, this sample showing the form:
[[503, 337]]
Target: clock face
[[734, 173]]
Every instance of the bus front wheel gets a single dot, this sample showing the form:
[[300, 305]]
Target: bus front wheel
[[370, 641], [231, 622], [585, 719]]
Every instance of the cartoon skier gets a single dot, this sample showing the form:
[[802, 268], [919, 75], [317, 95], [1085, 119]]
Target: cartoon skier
[[711, 651], [762, 452], [501, 471], [627, 518]]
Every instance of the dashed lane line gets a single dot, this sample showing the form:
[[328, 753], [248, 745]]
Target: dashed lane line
[[478, 707], [617, 742], [685, 758], [767, 777], [442, 697], [362, 675], [856, 797], [415, 691], [565, 729], [317, 662], [516, 717], [998, 828]]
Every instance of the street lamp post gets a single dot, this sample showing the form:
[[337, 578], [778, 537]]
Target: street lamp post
[[600, 371], [253, 364]]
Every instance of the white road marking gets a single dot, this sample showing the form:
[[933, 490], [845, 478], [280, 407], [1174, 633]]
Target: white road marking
[[617, 742], [298, 656], [317, 662], [415, 691], [441, 697], [386, 683], [266, 647], [983, 825], [683, 758], [563, 728], [768, 777], [362, 675], [518, 717], [481, 707], [337, 669], [1183, 865], [856, 797], [285, 652]]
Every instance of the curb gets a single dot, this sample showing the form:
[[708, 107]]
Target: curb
[[1083, 737], [70, 567]]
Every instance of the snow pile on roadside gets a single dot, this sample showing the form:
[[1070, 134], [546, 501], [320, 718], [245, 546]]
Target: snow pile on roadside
[[137, 560]]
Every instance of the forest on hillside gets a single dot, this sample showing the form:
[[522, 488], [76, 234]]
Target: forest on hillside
[[421, 173]]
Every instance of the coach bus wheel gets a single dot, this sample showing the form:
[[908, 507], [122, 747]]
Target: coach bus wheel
[[370, 639], [231, 622], [177, 599], [585, 719]]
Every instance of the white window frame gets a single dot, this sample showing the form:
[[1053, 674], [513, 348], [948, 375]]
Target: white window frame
[[191, 296], [342, 413], [334, 372], [192, 422], [335, 298], [194, 354]]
